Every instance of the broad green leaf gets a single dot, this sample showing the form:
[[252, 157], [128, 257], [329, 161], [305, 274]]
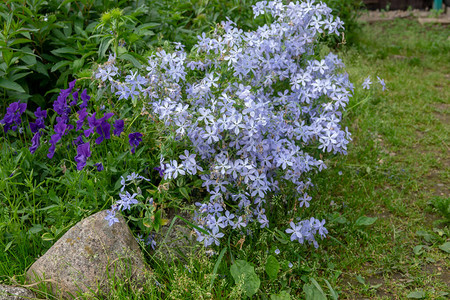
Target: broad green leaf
[[365, 221], [131, 59], [418, 250], [426, 236], [283, 295], [11, 85], [445, 247], [242, 270], [77, 64], [360, 279], [35, 229], [416, 295], [7, 55], [313, 293], [272, 267], [40, 68]]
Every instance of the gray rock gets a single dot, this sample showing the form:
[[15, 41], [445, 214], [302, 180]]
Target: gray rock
[[89, 257], [8, 292]]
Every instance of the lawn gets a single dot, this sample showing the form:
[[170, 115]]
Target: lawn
[[386, 204]]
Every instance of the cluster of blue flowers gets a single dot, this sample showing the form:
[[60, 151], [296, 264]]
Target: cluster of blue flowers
[[249, 104]]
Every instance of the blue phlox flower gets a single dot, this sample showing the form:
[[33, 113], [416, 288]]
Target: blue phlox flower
[[381, 81], [111, 217], [366, 84], [126, 200]]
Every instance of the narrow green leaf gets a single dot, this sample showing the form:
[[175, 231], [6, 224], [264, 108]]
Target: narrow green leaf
[[11, 85], [333, 293], [216, 267], [47, 237], [59, 65], [64, 50], [8, 246]]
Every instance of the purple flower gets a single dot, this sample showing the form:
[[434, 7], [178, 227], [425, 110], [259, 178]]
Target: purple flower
[[134, 140], [85, 98], [99, 166], [77, 141], [118, 127], [34, 127], [40, 114], [82, 114], [103, 128], [12, 116], [83, 152], [160, 170], [35, 142]]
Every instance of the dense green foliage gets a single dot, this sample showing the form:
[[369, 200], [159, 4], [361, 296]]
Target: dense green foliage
[[45, 44], [387, 210]]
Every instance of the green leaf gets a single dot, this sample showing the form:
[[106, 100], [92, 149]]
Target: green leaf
[[426, 236], [47, 237], [365, 221], [8, 246], [7, 56], [283, 295], [77, 64], [40, 68], [333, 293], [131, 59], [445, 247], [313, 291], [243, 271], [64, 50], [35, 229], [184, 192], [216, 267], [11, 85], [360, 279], [416, 295], [59, 65], [272, 267], [418, 250]]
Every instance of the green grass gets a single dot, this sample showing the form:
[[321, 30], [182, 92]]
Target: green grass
[[396, 170]]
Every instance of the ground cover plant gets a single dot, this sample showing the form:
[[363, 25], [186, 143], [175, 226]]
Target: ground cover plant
[[374, 210]]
